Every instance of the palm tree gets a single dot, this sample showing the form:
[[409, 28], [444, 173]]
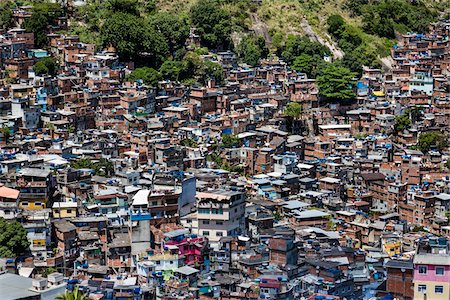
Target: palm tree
[[73, 295]]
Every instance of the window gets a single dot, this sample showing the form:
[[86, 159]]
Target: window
[[440, 271], [217, 211], [205, 222], [69, 211], [422, 288], [422, 270], [219, 223], [219, 233], [439, 289], [203, 210], [205, 233]]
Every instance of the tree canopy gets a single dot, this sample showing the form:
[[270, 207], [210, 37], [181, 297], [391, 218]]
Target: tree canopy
[[230, 141], [251, 49], [336, 83], [432, 140], [149, 76], [102, 167], [13, 238], [134, 38], [213, 23], [44, 15], [309, 64], [297, 45], [46, 66], [6, 16], [387, 16], [402, 122], [293, 110], [174, 29]]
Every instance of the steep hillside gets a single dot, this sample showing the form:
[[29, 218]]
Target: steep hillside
[[276, 19]]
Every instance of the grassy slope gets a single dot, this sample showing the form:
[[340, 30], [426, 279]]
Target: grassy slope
[[285, 16]]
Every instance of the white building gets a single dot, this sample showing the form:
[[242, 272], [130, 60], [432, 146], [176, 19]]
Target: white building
[[219, 213]]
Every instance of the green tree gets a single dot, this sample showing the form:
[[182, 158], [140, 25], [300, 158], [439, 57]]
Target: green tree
[[385, 17], [103, 167], [6, 133], [212, 22], [336, 25], [309, 64], [213, 71], [6, 16], [432, 140], [189, 143], [336, 83], [44, 15], [230, 141], [76, 294], [251, 49], [293, 110], [124, 6], [249, 52], [134, 39], [82, 163], [297, 45], [46, 66], [13, 239], [402, 122], [194, 67], [174, 29], [171, 69], [148, 75]]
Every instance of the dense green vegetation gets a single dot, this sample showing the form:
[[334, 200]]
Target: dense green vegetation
[[148, 76], [154, 34], [336, 83], [6, 16], [46, 66], [13, 238], [352, 41], [297, 45], [251, 49], [212, 23], [230, 141], [44, 15], [293, 110], [402, 122], [386, 17], [432, 140], [103, 167]]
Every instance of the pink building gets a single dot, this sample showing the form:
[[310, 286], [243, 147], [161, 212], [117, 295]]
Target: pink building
[[432, 269], [191, 246]]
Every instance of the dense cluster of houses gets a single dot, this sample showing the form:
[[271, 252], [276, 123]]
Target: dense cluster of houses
[[334, 204]]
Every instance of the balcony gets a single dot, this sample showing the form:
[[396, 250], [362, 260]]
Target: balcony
[[33, 196], [24, 183]]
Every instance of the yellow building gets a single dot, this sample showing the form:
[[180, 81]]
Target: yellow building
[[64, 210], [36, 188], [391, 244]]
